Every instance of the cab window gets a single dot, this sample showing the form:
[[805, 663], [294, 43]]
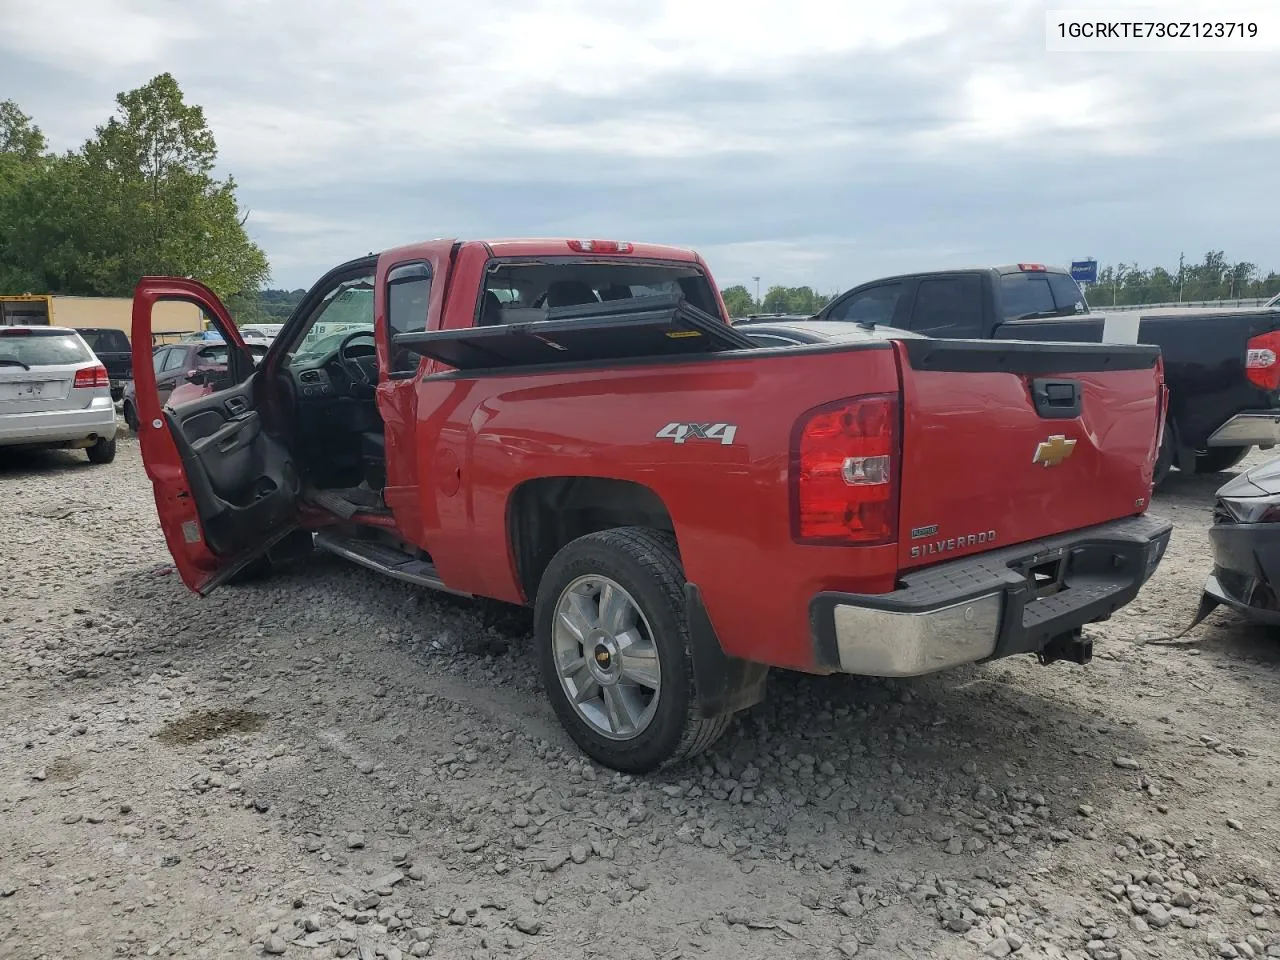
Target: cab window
[[874, 305], [173, 360], [408, 296], [948, 307]]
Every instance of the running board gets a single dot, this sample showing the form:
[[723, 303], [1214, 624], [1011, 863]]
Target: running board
[[388, 560], [343, 503]]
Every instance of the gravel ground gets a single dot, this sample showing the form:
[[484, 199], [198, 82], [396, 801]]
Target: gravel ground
[[329, 763]]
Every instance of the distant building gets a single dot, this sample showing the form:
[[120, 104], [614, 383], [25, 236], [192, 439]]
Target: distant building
[[171, 319]]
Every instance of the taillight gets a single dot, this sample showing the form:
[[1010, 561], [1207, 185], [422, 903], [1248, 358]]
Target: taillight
[[599, 246], [844, 473], [92, 377], [1032, 267], [1260, 360]]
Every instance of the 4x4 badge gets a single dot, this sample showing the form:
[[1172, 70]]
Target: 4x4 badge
[[680, 432]]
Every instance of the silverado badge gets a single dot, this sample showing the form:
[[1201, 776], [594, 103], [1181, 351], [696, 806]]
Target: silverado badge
[[1053, 451]]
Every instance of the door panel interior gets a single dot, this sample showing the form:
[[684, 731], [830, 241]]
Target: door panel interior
[[243, 480]]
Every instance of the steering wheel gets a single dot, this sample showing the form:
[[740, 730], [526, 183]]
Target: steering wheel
[[353, 369]]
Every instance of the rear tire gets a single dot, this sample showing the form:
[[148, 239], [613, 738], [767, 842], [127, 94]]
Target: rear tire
[[102, 451], [652, 718], [1217, 459], [131, 416]]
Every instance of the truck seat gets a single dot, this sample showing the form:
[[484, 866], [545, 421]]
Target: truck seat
[[490, 310], [570, 293]]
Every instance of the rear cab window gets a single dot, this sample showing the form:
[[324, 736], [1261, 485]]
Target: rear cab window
[[1035, 293], [1067, 295], [41, 348], [106, 341], [1025, 294], [525, 289]]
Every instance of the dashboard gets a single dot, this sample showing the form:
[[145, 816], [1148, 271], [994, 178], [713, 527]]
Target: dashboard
[[329, 377]]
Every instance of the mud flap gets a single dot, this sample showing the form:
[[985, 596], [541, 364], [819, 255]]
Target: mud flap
[[724, 684]]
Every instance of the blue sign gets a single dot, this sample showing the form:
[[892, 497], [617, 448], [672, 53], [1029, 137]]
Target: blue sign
[[1084, 271]]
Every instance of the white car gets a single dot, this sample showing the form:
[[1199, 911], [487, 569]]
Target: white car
[[54, 392], [261, 331]]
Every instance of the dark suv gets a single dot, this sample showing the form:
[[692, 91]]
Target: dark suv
[[111, 346]]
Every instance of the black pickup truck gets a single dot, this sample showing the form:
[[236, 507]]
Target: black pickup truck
[[112, 347], [1222, 368]]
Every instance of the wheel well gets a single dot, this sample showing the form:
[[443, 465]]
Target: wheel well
[[547, 513]]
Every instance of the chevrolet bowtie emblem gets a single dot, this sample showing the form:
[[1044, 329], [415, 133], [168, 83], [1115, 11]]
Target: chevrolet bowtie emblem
[[1053, 451]]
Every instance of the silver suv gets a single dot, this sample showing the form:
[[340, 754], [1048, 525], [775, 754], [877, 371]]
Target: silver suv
[[54, 392]]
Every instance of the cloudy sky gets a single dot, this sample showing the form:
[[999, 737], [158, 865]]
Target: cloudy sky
[[803, 142]]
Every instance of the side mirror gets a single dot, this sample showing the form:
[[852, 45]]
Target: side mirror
[[198, 377]]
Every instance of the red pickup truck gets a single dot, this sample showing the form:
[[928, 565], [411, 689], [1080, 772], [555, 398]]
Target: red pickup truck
[[574, 425]]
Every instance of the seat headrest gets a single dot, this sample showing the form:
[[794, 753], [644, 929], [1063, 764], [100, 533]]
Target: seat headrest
[[570, 293]]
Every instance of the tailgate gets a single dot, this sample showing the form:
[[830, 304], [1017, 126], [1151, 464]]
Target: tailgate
[[34, 391], [1006, 442]]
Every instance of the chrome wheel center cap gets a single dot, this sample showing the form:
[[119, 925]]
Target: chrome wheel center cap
[[602, 659]]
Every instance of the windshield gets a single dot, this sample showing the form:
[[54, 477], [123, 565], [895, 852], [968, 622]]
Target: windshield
[[347, 309], [41, 348], [320, 348]]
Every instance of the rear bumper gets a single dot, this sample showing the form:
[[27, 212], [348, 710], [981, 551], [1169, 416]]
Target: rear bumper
[[60, 426], [1246, 569], [1253, 428], [985, 607]]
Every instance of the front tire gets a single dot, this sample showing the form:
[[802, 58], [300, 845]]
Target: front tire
[[1217, 459], [131, 416], [102, 451], [613, 646]]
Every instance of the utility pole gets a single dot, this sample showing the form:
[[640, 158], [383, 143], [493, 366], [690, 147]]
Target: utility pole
[[1180, 260], [759, 306]]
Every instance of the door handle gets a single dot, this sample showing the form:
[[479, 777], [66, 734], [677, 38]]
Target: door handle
[[1056, 399], [236, 404]]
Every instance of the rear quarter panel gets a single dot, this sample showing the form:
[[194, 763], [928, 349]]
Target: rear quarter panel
[[487, 435]]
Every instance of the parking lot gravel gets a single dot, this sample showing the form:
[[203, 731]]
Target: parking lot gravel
[[329, 763]]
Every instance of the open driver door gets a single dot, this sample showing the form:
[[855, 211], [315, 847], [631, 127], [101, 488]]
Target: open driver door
[[226, 491]]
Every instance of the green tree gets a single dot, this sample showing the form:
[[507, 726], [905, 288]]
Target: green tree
[[799, 300], [22, 158], [1213, 278], [162, 210], [738, 301], [140, 197], [280, 304], [18, 135]]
